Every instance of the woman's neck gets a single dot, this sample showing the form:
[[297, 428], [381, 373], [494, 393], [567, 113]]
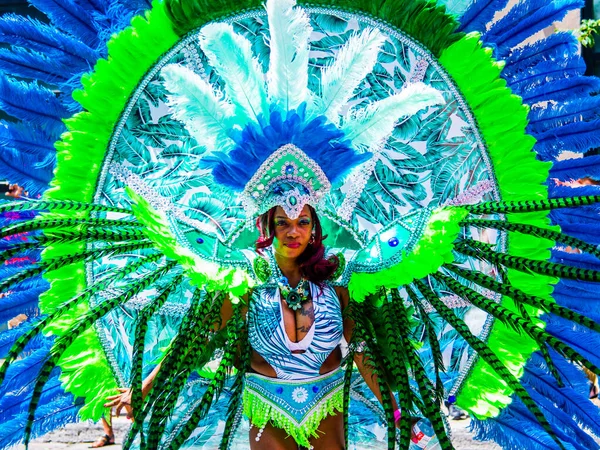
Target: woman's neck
[[289, 268]]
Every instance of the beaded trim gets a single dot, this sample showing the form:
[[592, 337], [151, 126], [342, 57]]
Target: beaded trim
[[260, 194]]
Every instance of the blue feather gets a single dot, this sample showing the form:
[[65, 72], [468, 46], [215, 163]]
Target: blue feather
[[22, 63], [565, 399], [513, 429], [572, 375], [479, 14], [548, 117], [563, 425], [24, 163], [68, 16], [321, 141], [545, 72], [562, 90], [26, 139], [24, 302], [575, 137], [524, 20], [576, 168], [556, 46], [34, 35], [33, 104], [580, 300], [584, 341], [582, 260]]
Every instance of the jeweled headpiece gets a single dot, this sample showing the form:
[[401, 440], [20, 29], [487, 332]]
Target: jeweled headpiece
[[270, 137]]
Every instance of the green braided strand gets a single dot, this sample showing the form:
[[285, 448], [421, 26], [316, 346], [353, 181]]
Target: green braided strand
[[238, 387], [39, 224], [215, 387], [476, 250], [487, 355], [432, 410], [521, 296], [175, 353], [550, 363], [531, 205], [62, 238], [24, 339], [194, 355], [434, 344], [63, 342], [532, 230], [507, 316], [141, 329], [57, 263], [43, 205]]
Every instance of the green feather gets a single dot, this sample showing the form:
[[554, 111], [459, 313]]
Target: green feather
[[522, 297], [40, 224], [57, 263]]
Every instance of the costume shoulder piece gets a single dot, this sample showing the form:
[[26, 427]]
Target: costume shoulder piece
[[429, 141]]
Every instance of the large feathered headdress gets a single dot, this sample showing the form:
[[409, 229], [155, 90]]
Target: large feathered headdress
[[271, 137]]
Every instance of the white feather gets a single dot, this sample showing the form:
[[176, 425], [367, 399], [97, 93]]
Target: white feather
[[371, 126], [203, 111], [352, 64], [290, 30], [231, 56]]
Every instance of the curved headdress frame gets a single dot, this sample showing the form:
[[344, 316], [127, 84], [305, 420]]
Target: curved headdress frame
[[151, 37]]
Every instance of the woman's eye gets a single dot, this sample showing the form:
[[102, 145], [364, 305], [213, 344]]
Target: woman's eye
[[305, 222], [280, 223]]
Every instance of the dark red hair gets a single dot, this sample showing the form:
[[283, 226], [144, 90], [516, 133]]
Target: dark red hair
[[313, 265]]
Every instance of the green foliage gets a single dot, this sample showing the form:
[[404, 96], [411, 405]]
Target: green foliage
[[587, 31]]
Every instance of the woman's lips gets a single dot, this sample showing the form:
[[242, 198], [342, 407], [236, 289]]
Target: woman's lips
[[293, 245]]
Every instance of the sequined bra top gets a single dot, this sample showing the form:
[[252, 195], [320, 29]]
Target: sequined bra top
[[267, 335]]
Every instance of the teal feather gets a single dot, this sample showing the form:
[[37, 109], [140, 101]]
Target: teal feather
[[231, 56], [287, 77], [352, 63], [370, 126], [206, 114]]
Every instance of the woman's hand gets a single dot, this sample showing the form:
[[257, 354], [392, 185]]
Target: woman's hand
[[120, 401]]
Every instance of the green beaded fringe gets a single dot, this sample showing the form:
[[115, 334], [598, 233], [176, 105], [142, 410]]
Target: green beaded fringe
[[260, 411]]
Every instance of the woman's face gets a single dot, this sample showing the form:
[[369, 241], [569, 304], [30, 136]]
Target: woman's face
[[292, 236]]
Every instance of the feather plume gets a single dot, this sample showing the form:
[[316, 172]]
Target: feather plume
[[526, 19], [287, 77], [352, 64], [67, 15], [562, 89], [554, 47], [34, 35], [194, 102], [542, 119], [26, 139], [371, 126], [231, 55], [479, 14], [576, 137], [32, 103]]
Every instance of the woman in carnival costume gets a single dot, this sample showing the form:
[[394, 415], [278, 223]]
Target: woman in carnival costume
[[411, 150]]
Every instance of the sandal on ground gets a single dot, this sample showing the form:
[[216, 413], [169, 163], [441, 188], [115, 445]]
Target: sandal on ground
[[104, 441]]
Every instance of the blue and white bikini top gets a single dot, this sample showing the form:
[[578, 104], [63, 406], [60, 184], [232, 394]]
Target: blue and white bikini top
[[266, 332]]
